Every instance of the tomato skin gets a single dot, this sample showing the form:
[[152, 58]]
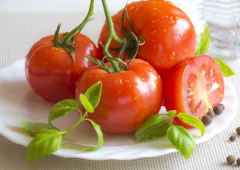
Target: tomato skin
[[168, 33], [128, 97], [51, 72], [193, 86]]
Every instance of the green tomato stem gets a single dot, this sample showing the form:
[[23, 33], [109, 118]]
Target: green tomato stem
[[112, 32], [112, 35], [80, 27], [122, 42], [67, 40], [55, 39]]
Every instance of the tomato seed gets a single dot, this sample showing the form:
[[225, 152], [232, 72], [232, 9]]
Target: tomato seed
[[170, 22]]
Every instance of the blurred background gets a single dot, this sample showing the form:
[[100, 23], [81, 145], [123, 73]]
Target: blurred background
[[221, 15]]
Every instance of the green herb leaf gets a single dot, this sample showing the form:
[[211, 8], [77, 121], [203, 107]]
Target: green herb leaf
[[86, 104], [153, 131], [99, 133], [182, 140], [152, 120], [93, 94], [226, 70], [172, 113], [43, 144], [204, 42], [192, 120], [33, 128], [63, 108]]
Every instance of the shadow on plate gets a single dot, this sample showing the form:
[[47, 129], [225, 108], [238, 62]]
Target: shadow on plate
[[17, 129], [75, 147]]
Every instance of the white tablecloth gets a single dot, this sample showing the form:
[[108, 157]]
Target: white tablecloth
[[24, 22]]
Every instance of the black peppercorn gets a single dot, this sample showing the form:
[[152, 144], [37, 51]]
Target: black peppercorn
[[206, 120], [232, 138], [230, 159], [238, 161], [218, 109], [210, 113], [238, 130]]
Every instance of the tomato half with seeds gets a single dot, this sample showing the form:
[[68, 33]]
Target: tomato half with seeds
[[51, 71], [193, 86], [168, 33], [128, 97]]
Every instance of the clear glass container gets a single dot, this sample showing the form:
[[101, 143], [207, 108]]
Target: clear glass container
[[223, 17]]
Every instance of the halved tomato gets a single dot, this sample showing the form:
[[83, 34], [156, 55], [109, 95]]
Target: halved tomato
[[193, 86]]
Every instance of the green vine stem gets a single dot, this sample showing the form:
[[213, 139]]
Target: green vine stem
[[67, 40], [130, 40], [112, 32], [80, 27], [112, 35]]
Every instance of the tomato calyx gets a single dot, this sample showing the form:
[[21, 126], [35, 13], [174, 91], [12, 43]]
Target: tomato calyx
[[131, 42], [67, 40], [117, 63]]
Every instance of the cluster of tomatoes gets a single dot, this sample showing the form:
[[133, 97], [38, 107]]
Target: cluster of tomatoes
[[164, 73]]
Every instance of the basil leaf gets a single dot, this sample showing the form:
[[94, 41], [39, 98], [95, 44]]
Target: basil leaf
[[204, 42], [86, 104], [43, 144], [99, 133], [33, 128], [93, 94], [192, 120], [182, 140], [62, 108], [152, 120], [172, 113], [226, 70], [152, 132]]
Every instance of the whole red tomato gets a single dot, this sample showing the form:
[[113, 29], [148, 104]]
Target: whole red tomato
[[128, 97], [168, 33], [51, 71], [194, 86]]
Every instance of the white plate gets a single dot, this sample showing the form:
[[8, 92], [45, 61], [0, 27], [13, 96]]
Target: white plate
[[16, 97]]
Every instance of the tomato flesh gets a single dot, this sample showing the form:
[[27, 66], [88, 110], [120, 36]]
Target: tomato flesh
[[128, 98], [193, 86]]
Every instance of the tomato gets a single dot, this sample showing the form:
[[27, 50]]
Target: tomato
[[51, 71], [168, 33], [128, 97], [193, 86]]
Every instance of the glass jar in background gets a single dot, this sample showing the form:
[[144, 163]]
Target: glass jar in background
[[223, 17]]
